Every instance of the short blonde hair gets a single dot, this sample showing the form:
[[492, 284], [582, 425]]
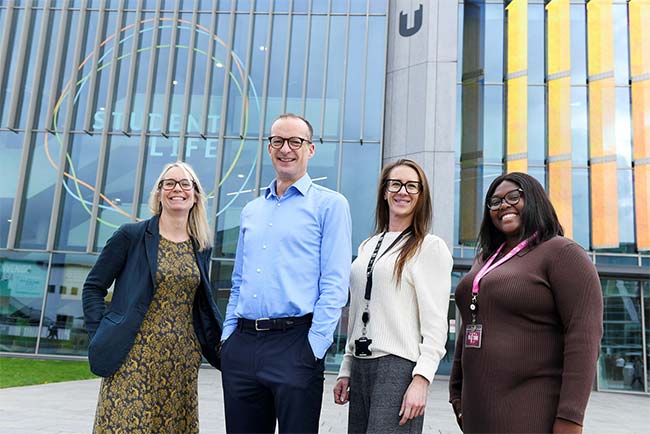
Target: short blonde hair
[[197, 222]]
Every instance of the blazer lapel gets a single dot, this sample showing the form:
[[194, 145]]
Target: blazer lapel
[[151, 240]]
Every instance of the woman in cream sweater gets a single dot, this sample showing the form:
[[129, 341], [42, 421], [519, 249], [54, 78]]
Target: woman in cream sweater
[[399, 296]]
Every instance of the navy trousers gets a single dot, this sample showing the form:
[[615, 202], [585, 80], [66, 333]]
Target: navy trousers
[[269, 376]]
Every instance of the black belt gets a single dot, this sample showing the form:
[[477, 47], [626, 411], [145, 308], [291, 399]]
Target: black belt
[[266, 324]]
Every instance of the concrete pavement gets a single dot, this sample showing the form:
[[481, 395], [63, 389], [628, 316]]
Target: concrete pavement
[[69, 408]]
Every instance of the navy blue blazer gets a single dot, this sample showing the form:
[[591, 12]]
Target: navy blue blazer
[[130, 259]]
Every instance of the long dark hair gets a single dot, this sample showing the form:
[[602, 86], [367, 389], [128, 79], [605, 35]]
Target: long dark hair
[[538, 215], [421, 215]]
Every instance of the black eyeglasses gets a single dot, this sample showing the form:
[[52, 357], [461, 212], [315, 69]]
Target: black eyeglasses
[[169, 184], [295, 143], [511, 198], [395, 185]]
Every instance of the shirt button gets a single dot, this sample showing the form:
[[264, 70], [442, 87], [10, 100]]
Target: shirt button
[[270, 224], [254, 295], [259, 270], [278, 204], [264, 246]]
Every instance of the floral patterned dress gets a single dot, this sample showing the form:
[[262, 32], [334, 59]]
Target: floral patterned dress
[[155, 389]]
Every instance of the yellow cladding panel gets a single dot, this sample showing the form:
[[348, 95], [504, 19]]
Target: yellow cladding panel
[[559, 116], [561, 193], [604, 205], [602, 118], [558, 36], [472, 211], [517, 165], [641, 119], [517, 20], [639, 37], [600, 36], [642, 205], [517, 122]]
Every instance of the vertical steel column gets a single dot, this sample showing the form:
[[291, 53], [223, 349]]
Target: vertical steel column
[[209, 68], [364, 73], [29, 126], [61, 47], [170, 74], [287, 51], [21, 65], [139, 175], [343, 93], [265, 93], [4, 50], [58, 186], [102, 159], [325, 67], [133, 67], [306, 57], [92, 80], [189, 71], [247, 69]]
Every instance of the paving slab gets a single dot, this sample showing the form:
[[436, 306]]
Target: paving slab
[[69, 408]]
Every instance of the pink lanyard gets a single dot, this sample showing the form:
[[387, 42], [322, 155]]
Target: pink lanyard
[[473, 306], [489, 267]]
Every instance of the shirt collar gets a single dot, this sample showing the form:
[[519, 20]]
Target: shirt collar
[[302, 186]]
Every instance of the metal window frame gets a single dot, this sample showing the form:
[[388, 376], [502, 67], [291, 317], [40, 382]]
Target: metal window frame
[[189, 80], [91, 98], [133, 67], [209, 72], [170, 74], [306, 56], [53, 234], [287, 54], [343, 94], [325, 68], [142, 152], [4, 50], [20, 79], [27, 147], [247, 66], [102, 159], [56, 82]]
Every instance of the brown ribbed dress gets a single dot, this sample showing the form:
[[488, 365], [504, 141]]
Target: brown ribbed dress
[[541, 313]]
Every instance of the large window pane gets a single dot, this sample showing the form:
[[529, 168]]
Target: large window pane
[[296, 64], [39, 192], [360, 166], [116, 201], [621, 346], [334, 79], [78, 192], [536, 125], [315, 81], [354, 79], [64, 329], [578, 44], [22, 284], [536, 70], [259, 53], [275, 86], [11, 149], [579, 126], [236, 189], [494, 42], [621, 55], [375, 75], [581, 218], [493, 112], [238, 76]]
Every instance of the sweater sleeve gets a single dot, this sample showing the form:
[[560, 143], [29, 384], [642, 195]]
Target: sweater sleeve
[[431, 277], [346, 364], [578, 299]]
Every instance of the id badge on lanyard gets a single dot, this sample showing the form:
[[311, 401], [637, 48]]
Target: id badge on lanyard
[[474, 331]]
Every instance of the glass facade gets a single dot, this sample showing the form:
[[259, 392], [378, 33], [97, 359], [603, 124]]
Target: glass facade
[[558, 89], [97, 95]]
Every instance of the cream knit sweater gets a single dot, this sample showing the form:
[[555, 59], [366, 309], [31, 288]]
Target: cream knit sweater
[[409, 321]]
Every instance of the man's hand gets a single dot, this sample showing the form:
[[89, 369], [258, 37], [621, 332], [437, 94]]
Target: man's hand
[[342, 390], [563, 426], [415, 399]]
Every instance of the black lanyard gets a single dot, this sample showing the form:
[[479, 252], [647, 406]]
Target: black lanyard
[[366, 316]]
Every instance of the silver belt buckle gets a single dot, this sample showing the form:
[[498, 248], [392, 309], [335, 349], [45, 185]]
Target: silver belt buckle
[[258, 328]]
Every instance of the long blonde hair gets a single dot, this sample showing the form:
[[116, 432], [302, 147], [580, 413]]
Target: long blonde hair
[[197, 222]]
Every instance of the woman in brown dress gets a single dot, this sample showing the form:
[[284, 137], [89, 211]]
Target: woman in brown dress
[[532, 312], [161, 317]]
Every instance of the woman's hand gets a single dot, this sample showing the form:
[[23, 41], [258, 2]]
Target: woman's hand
[[563, 426], [415, 399], [342, 390], [458, 411]]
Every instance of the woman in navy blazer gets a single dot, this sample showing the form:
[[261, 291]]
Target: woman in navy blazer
[[161, 316]]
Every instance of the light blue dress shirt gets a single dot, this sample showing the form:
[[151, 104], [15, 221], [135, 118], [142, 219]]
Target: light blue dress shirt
[[293, 258]]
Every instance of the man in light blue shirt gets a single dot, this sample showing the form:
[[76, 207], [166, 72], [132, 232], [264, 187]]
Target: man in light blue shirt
[[289, 284]]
